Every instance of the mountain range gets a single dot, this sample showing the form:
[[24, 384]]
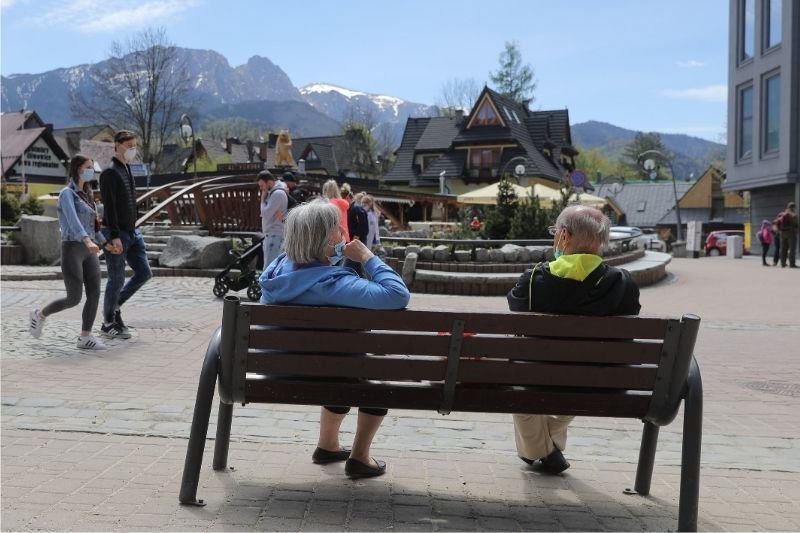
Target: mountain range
[[261, 92]]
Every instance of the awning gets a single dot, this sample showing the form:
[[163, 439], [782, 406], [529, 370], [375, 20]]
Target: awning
[[391, 199]]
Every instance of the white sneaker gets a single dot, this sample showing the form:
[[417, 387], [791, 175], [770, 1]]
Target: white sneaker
[[90, 342], [36, 324]]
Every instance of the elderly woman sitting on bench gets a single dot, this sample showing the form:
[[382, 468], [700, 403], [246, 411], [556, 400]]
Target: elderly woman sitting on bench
[[309, 273]]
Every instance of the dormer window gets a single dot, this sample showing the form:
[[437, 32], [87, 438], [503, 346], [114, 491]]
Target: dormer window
[[487, 116], [312, 156]]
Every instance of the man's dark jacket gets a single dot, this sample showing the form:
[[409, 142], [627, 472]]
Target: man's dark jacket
[[357, 223], [615, 293], [118, 192]]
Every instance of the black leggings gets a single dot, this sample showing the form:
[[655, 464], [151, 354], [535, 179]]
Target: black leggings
[[764, 252], [374, 411], [81, 270]]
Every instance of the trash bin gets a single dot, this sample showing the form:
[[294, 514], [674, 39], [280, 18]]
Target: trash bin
[[735, 247], [679, 249]]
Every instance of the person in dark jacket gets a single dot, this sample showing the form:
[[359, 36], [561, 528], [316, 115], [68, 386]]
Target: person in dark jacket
[[576, 282], [118, 193], [357, 223]]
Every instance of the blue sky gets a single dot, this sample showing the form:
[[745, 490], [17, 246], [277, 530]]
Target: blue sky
[[640, 64]]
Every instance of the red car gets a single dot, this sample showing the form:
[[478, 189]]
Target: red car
[[716, 242]]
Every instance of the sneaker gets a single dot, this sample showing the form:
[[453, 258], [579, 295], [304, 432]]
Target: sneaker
[[36, 324], [113, 331], [90, 342], [118, 320]]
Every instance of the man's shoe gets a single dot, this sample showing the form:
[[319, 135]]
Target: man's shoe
[[35, 324], [323, 457], [118, 320], [356, 469], [793, 266], [90, 342], [526, 460], [555, 463], [113, 331]]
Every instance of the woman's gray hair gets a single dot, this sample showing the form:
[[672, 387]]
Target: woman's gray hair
[[330, 190], [308, 229], [587, 225]]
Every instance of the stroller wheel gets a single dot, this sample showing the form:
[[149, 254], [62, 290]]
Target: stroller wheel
[[220, 288], [254, 291]]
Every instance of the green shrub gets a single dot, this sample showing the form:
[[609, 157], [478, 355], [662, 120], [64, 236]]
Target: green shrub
[[9, 209], [32, 206]]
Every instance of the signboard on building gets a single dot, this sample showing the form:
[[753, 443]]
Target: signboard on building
[[38, 160], [139, 170], [223, 167]]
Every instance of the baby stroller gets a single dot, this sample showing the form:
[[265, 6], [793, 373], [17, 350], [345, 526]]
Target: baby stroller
[[246, 263]]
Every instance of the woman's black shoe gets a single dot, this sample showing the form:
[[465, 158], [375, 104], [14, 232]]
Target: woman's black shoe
[[357, 469], [555, 463], [323, 457]]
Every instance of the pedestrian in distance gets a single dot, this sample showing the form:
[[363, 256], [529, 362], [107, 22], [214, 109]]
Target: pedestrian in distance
[[118, 193], [765, 238], [373, 241], [357, 223], [331, 191], [786, 222], [577, 282], [274, 204], [307, 274], [81, 241]]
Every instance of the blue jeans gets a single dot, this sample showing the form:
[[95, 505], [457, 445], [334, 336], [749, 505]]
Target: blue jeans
[[134, 254], [273, 244]]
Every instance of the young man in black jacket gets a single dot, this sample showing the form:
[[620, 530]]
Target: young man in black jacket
[[578, 283], [118, 192]]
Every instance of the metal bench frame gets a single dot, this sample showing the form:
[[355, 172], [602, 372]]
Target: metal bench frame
[[677, 379]]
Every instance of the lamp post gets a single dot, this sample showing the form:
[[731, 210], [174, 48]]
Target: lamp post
[[651, 166], [519, 170], [187, 132]]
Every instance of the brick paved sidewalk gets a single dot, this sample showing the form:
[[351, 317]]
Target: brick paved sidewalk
[[96, 441]]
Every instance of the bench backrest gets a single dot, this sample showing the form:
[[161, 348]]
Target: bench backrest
[[462, 361]]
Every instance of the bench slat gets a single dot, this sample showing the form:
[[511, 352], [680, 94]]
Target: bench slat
[[426, 343], [389, 368], [474, 399], [500, 323]]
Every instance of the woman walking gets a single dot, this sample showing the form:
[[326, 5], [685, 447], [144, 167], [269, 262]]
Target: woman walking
[[77, 216], [765, 236]]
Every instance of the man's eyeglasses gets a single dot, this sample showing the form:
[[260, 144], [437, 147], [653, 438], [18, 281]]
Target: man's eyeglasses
[[552, 230]]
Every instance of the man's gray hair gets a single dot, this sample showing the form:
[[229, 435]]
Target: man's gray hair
[[308, 229], [587, 225]]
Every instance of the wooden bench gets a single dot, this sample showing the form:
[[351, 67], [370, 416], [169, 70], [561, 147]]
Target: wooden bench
[[629, 367]]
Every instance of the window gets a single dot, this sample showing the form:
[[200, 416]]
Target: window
[[772, 113], [773, 14], [484, 158], [427, 161], [641, 206], [747, 18], [745, 133], [312, 156], [487, 116]]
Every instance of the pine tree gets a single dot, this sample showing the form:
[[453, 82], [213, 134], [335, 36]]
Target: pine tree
[[498, 219], [514, 79]]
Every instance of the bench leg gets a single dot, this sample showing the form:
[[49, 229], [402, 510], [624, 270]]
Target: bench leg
[[647, 457], [223, 440], [202, 413], [690, 451]]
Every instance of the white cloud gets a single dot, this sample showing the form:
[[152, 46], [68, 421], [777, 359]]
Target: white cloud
[[98, 16], [692, 63], [709, 93]]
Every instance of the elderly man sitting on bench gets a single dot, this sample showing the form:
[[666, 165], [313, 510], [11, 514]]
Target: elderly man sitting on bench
[[576, 282]]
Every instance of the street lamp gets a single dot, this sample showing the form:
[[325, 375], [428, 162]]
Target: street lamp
[[651, 166], [187, 132], [519, 170]]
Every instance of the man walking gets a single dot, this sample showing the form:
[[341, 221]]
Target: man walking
[[787, 228], [118, 192], [274, 205]]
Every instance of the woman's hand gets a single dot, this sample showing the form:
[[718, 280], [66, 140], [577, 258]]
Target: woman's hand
[[91, 246], [356, 251]]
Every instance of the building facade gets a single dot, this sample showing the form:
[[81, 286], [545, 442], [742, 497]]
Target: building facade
[[764, 105]]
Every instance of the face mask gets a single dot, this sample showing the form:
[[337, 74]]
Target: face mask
[[558, 253], [338, 250], [130, 154], [87, 174]]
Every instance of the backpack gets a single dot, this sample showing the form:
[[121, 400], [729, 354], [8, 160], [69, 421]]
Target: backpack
[[291, 201]]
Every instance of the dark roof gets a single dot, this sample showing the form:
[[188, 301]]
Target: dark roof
[[528, 130], [439, 134], [174, 158], [403, 169], [87, 132], [730, 216], [644, 203]]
